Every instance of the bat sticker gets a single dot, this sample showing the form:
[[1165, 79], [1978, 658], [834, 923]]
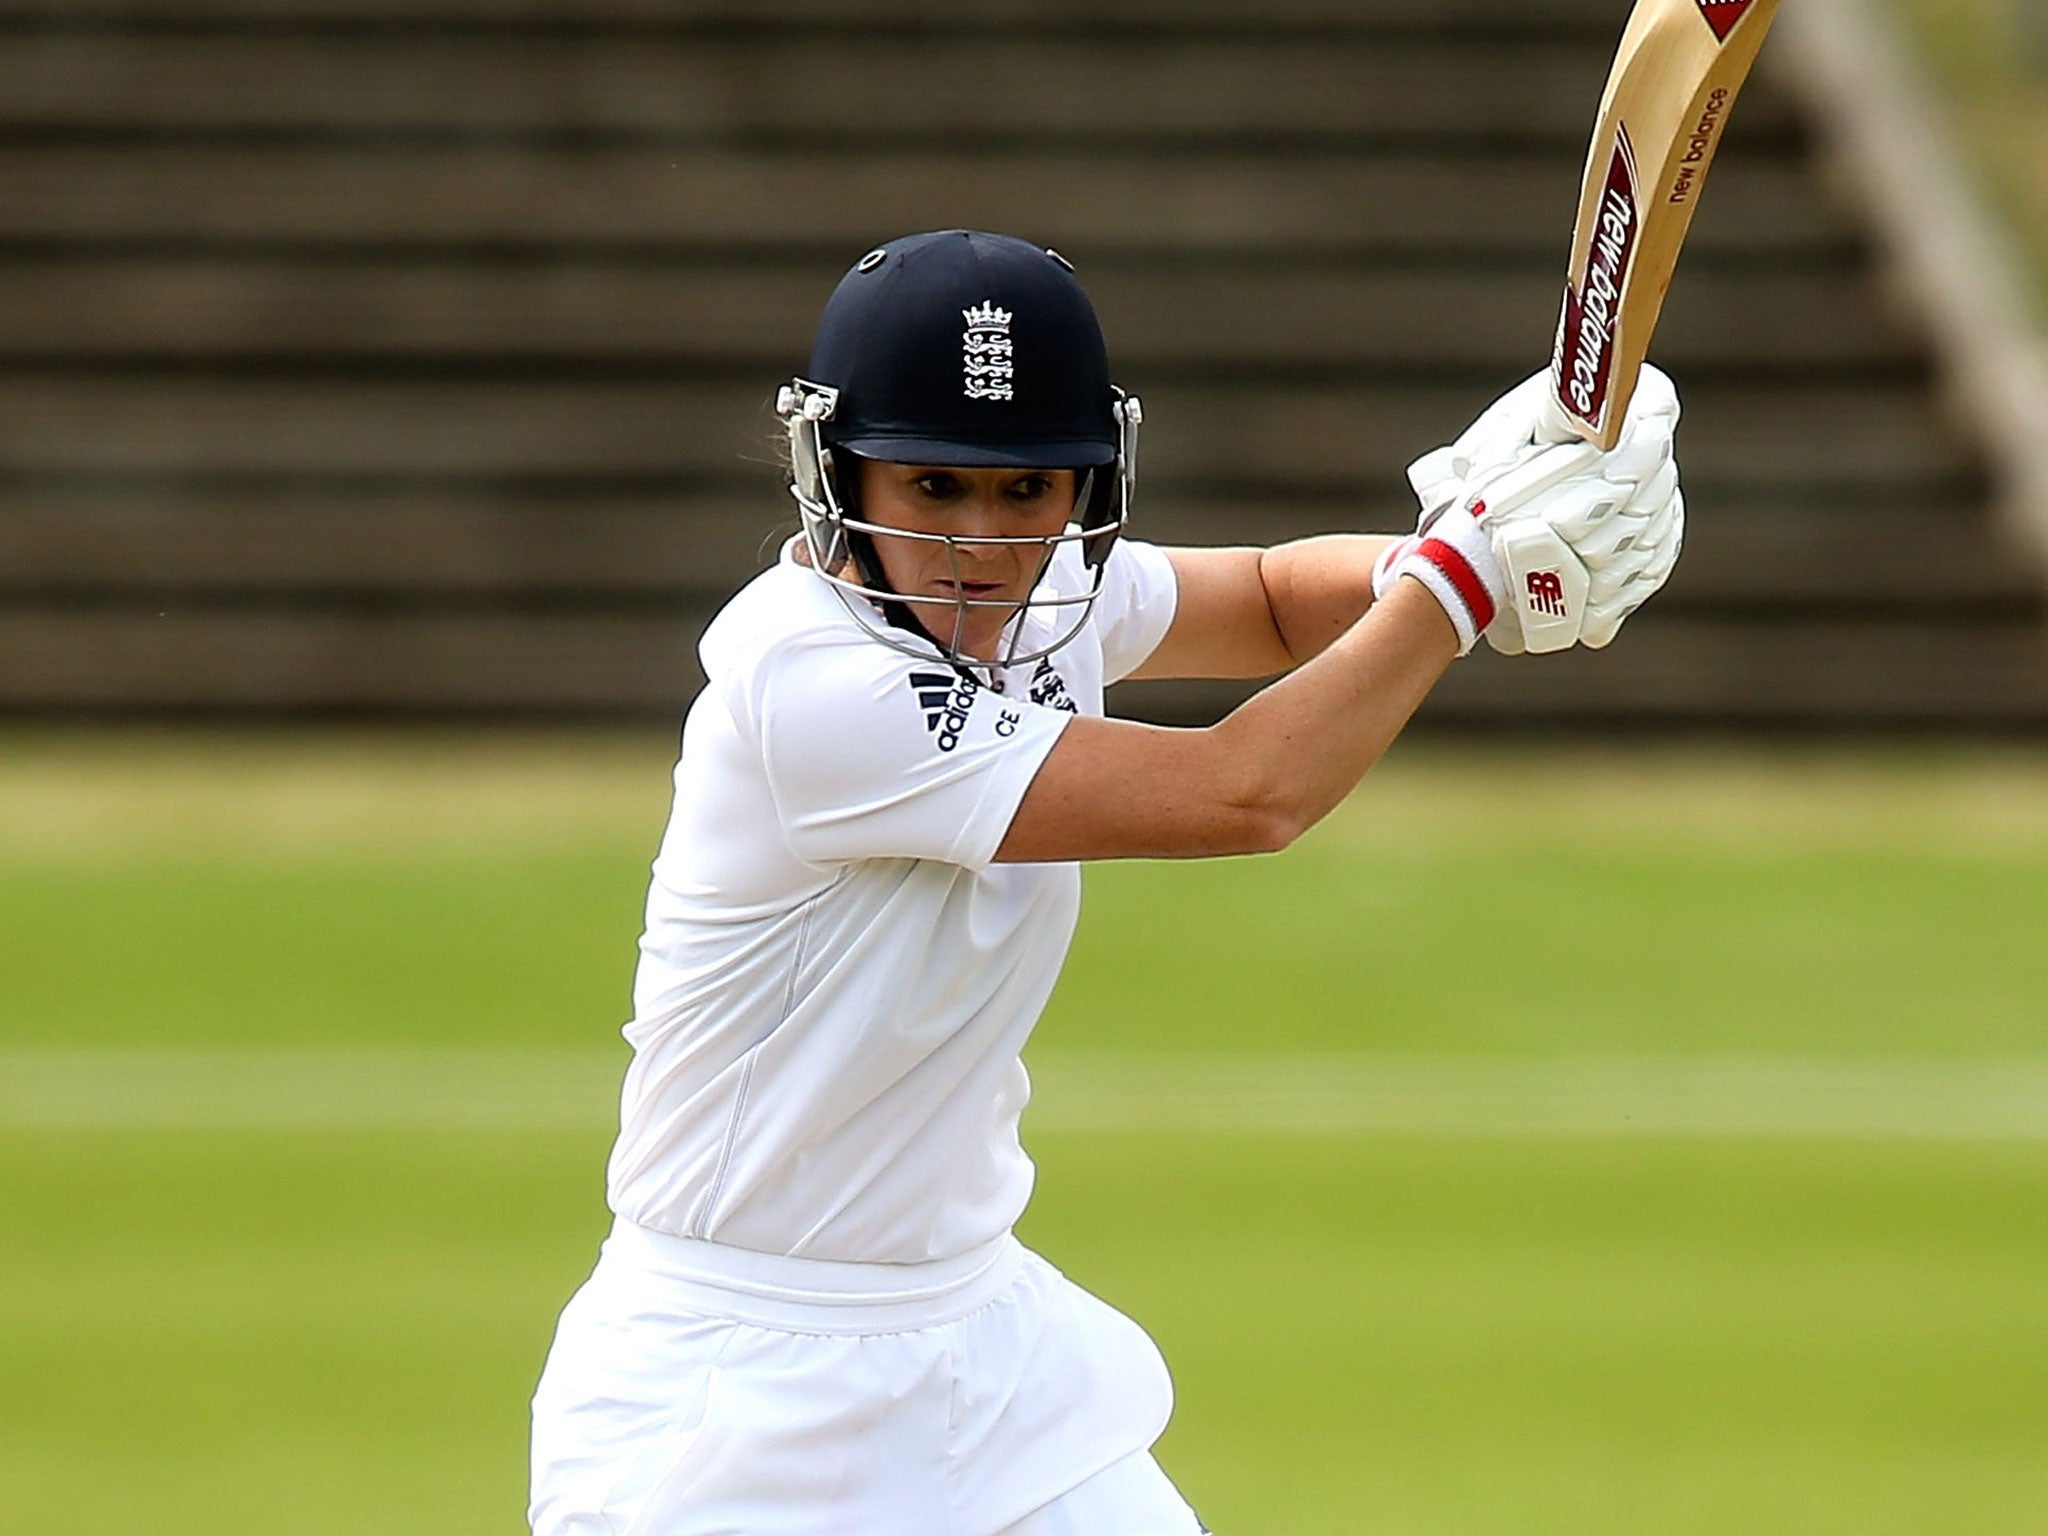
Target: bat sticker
[[1724, 16], [1585, 334]]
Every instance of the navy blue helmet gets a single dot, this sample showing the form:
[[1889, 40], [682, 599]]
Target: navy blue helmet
[[958, 349]]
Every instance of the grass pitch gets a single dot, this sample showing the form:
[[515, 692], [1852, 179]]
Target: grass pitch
[[1381, 1314]]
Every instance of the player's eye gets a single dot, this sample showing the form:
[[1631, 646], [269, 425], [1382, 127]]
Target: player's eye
[[1031, 488], [937, 485]]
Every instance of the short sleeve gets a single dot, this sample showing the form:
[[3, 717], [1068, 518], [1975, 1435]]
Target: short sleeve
[[1135, 607], [873, 754]]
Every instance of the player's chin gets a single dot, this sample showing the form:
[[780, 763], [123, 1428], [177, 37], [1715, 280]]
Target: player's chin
[[972, 622]]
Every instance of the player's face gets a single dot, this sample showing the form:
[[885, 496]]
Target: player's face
[[965, 505]]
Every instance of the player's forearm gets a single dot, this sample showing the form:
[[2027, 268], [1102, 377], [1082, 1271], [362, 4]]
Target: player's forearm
[[1318, 588], [1251, 783], [1294, 750]]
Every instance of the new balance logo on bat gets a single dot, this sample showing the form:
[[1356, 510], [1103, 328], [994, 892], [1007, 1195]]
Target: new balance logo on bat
[[945, 697], [1700, 147], [1546, 593], [1584, 360]]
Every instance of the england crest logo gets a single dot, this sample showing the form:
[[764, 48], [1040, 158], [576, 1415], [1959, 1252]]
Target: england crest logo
[[986, 356]]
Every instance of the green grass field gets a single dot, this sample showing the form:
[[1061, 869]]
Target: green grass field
[[1580, 1144]]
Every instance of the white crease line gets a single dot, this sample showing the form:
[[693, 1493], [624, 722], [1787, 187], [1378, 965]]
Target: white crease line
[[310, 1090], [1568, 1097], [1105, 1093]]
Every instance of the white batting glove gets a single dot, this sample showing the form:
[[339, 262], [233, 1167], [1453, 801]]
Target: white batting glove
[[1583, 556], [1583, 537], [1585, 547], [1502, 437]]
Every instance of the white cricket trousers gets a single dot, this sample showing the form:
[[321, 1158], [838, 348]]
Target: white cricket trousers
[[699, 1390]]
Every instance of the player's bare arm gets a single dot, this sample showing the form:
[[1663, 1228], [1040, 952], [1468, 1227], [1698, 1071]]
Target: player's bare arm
[[1247, 612], [1283, 760], [1255, 780]]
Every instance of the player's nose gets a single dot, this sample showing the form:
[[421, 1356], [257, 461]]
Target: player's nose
[[980, 518]]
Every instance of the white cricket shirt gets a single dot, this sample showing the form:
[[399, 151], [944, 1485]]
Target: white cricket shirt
[[835, 980]]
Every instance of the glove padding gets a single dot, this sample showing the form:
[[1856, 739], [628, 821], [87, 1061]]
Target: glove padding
[[1583, 556], [1501, 437], [1583, 537]]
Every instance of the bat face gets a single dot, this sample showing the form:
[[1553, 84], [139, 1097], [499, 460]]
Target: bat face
[[1675, 76]]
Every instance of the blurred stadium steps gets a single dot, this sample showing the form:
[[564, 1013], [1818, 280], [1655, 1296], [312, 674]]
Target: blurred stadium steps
[[405, 358]]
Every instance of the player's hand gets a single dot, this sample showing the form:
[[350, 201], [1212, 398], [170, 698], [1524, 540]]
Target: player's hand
[[1581, 557], [1582, 538], [1527, 422], [1583, 548], [1503, 437], [1455, 557]]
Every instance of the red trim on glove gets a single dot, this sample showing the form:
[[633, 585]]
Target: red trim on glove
[[1471, 590]]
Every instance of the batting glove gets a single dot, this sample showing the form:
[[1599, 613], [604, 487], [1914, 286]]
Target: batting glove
[[1452, 555], [1583, 537], [1586, 543], [1581, 557]]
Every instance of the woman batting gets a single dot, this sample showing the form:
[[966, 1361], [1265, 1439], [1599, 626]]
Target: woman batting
[[811, 1317]]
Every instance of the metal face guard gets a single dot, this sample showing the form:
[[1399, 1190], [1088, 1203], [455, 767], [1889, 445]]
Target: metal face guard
[[804, 408]]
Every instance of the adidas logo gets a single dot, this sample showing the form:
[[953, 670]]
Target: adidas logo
[[945, 698]]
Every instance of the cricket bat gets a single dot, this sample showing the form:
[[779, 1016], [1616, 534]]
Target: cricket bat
[[1674, 79]]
